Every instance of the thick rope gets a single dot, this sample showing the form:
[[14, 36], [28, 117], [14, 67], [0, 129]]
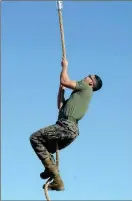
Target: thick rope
[[62, 33], [64, 56], [57, 156], [46, 189]]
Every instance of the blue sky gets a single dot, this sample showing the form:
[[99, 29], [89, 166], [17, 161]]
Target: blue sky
[[98, 165]]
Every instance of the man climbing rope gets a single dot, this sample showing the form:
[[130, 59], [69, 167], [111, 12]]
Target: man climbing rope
[[65, 130]]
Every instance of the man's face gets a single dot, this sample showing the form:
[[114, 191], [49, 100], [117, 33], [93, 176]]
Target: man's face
[[91, 79]]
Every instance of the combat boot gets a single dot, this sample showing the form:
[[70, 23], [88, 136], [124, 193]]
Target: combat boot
[[57, 183], [46, 174]]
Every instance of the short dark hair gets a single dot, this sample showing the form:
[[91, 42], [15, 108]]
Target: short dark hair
[[98, 84]]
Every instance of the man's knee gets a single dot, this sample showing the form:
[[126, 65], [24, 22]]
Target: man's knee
[[33, 137]]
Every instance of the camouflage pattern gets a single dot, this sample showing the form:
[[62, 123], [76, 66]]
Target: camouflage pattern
[[44, 140]]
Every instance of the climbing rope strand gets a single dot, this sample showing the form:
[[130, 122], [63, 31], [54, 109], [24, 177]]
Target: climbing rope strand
[[62, 34], [64, 56], [57, 156], [46, 189]]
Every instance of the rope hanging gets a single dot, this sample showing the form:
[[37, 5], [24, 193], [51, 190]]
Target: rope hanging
[[61, 28], [59, 8]]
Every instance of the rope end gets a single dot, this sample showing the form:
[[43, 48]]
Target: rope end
[[59, 5]]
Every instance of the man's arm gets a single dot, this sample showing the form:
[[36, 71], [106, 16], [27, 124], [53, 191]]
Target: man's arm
[[60, 98], [64, 78]]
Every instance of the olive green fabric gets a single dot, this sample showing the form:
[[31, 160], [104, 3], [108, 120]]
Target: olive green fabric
[[78, 102]]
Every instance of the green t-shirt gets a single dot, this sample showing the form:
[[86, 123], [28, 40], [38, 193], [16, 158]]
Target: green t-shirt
[[77, 104]]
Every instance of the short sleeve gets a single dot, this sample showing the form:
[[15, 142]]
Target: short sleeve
[[81, 85]]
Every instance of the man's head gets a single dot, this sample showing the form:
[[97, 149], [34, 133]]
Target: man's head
[[94, 81]]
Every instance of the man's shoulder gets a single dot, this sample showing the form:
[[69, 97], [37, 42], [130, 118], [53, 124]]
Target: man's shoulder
[[82, 85]]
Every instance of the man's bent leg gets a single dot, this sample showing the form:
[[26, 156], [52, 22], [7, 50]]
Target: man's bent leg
[[64, 133], [39, 142]]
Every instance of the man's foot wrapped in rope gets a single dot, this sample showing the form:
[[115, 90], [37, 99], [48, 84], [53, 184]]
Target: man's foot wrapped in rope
[[57, 183]]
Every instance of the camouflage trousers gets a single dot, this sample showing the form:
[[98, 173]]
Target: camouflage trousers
[[64, 132]]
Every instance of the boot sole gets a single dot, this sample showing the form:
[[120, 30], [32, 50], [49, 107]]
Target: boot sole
[[45, 177], [58, 189]]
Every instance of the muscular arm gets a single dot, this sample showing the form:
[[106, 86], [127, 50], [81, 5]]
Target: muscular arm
[[64, 77], [60, 98]]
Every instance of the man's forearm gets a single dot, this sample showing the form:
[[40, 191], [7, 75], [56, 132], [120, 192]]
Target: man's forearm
[[60, 98], [64, 75]]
